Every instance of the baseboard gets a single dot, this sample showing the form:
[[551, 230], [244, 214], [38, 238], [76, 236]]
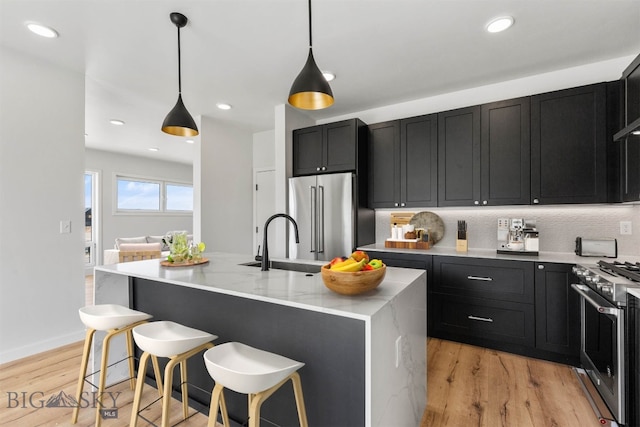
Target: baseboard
[[9, 355]]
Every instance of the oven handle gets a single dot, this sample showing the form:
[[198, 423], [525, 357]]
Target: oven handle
[[582, 290]]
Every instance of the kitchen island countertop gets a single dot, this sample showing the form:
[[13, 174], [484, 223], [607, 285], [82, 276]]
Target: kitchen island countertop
[[365, 355]]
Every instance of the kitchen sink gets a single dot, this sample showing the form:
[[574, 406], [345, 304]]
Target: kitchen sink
[[290, 266]]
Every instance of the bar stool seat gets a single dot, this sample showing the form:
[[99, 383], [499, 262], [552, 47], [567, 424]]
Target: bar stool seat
[[114, 319], [177, 342], [248, 370]]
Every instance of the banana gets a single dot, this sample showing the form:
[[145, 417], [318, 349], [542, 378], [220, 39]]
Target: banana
[[342, 264], [354, 266]]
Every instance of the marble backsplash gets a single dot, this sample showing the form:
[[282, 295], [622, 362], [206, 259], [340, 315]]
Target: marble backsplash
[[558, 225]]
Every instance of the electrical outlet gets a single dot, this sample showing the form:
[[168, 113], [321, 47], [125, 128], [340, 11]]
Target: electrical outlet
[[625, 228]]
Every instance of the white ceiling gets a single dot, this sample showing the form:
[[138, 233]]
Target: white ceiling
[[248, 52]]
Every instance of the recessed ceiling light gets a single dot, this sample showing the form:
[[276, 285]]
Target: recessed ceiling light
[[116, 122], [328, 75], [42, 30], [189, 141], [500, 24], [153, 149], [223, 106]]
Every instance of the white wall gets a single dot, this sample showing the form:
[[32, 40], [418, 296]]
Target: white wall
[[224, 160], [263, 150], [115, 225], [41, 183]]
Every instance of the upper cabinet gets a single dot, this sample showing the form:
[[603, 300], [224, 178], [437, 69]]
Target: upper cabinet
[[484, 154], [459, 157], [403, 160], [505, 147], [568, 146], [327, 148]]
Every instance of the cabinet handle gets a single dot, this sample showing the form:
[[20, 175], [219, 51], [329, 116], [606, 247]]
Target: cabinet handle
[[318, 169], [395, 204], [482, 319], [324, 168], [484, 202], [476, 202], [536, 201], [483, 279], [540, 267], [401, 204]]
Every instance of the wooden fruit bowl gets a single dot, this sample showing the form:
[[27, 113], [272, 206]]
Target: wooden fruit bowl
[[352, 283]]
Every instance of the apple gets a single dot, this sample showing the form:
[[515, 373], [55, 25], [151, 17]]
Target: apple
[[359, 255], [336, 260]]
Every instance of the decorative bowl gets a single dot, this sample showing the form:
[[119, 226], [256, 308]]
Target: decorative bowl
[[352, 282]]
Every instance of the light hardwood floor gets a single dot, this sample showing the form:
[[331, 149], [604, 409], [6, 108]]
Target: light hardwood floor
[[477, 387], [467, 387]]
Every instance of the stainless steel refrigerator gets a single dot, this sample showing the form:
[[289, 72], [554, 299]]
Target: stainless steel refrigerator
[[325, 209]]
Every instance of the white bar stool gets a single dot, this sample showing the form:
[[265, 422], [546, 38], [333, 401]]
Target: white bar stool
[[178, 343], [255, 372], [115, 319]]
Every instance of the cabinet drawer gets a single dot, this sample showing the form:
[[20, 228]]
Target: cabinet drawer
[[484, 278], [505, 322]]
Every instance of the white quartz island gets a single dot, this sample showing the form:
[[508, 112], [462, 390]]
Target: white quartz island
[[365, 355]]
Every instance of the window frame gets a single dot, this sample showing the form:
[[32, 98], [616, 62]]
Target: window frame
[[163, 211]]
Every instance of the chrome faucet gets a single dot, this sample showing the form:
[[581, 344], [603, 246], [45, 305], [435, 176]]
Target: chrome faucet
[[265, 247]]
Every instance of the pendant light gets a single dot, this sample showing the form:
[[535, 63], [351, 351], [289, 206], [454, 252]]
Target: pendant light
[[179, 122], [310, 90]]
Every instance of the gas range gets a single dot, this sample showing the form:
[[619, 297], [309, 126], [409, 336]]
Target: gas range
[[610, 279]]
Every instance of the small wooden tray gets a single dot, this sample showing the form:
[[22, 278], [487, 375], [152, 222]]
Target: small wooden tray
[[184, 264], [407, 244]]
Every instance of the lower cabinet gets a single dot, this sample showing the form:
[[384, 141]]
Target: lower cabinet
[[557, 312], [522, 307]]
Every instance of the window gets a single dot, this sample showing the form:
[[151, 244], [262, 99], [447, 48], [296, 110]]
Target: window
[[152, 195]]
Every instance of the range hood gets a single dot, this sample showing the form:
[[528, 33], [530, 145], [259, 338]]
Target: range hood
[[631, 87]]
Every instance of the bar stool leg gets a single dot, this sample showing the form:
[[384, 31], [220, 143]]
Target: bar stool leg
[[83, 371], [135, 406], [183, 387], [103, 373], [156, 373], [217, 400], [132, 378], [166, 396], [297, 391]]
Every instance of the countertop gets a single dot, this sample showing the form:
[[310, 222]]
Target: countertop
[[223, 274], [558, 257]]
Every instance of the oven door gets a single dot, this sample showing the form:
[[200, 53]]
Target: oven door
[[602, 348]]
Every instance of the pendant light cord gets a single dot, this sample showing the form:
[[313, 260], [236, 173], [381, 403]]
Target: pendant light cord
[[179, 67], [310, 43]]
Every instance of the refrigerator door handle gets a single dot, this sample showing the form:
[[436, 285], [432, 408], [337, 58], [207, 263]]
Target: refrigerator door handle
[[321, 220], [312, 194]]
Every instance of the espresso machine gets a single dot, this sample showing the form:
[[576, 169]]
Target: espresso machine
[[517, 236]]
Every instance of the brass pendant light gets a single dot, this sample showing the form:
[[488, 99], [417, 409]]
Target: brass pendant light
[[179, 122], [310, 90]]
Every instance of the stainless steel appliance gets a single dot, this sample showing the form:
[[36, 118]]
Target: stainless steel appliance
[[597, 247], [324, 206], [604, 339], [517, 236]]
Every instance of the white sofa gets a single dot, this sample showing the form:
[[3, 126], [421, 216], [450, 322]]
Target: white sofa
[[112, 256]]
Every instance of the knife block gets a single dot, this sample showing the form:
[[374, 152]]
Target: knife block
[[461, 245]]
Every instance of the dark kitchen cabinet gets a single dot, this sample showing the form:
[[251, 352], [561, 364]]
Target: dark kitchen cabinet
[[328, 148], [485, 302], [403, 163], [557, 312], [568, 146], [505, 171], [629, 168], [459, 157]]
